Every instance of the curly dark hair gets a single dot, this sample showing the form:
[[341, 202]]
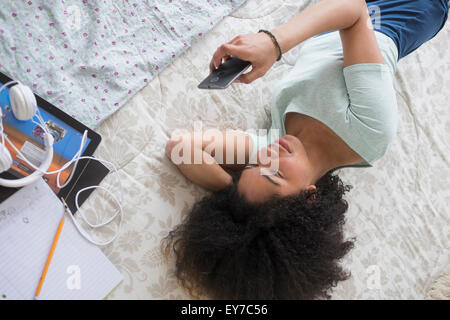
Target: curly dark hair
[[285, 248]]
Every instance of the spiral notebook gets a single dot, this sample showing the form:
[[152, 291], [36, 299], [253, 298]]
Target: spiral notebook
[[28, 222]]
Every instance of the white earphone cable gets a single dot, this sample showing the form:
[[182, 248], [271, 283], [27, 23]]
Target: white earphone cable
[[118, 212]]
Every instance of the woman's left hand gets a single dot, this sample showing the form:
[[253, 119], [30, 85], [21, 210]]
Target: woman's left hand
[[256, 48]]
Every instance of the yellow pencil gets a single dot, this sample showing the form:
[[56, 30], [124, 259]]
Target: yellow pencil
[[52, 250]]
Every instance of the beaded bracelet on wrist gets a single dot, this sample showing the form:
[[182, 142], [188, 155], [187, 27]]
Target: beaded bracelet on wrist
[[275, 42]]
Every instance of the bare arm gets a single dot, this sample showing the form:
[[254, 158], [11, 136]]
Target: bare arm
[[351, 17], [202, 156]]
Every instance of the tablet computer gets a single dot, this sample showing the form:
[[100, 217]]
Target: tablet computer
[[28, 138]]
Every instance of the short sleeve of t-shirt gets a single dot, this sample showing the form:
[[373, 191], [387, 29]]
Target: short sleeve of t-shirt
[[371, 117]]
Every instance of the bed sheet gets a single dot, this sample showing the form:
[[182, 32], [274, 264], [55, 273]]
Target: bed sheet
[[398, 209]]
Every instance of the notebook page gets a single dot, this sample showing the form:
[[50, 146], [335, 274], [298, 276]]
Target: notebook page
[[79, 269], [27, 228], [28, 223]]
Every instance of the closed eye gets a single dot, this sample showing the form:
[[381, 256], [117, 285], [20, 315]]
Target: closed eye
[[267, 176]]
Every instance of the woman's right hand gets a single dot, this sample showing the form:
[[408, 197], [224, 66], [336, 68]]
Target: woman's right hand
[[257, 48]]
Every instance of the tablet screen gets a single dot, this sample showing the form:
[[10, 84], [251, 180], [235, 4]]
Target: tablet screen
[[29, 139]]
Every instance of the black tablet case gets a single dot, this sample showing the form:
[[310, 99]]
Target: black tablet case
[[88, 173]]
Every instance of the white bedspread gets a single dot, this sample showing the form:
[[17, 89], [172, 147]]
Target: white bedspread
[[398, 210]]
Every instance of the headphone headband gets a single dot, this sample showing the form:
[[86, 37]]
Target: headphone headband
[[24, 107]]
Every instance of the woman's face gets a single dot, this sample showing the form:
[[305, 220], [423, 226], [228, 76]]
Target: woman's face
[[258, 183]]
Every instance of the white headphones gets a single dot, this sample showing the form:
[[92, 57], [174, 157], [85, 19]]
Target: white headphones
[[24, 107]]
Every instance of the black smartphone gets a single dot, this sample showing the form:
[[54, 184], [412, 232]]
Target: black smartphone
[[225, 74]]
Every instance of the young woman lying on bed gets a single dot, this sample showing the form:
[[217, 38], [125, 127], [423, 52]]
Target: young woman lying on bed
[[277, 234]]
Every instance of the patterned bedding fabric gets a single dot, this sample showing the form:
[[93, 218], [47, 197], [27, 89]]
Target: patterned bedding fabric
[[398, 210], [88, 57]]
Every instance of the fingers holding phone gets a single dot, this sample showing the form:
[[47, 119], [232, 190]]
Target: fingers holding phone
[[225, 74], [257, 48]]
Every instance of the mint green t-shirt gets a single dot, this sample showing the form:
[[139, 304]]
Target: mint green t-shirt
[[357, 102]]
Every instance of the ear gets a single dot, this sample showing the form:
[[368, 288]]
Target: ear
[[313, 193]]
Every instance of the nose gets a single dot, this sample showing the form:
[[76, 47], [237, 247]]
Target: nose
[[267, 155]]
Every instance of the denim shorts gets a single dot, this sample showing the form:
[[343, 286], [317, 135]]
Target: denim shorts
[[410, 23]]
